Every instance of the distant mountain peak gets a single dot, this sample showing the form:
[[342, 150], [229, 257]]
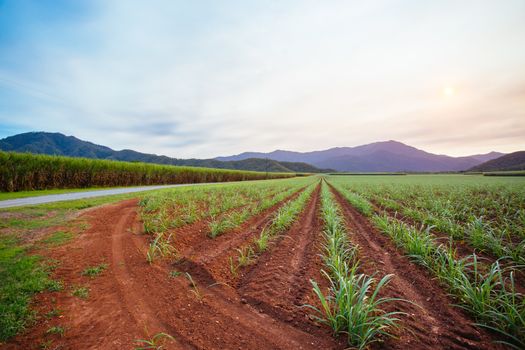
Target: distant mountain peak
[[60, 144], [389, 155], [507, 162]]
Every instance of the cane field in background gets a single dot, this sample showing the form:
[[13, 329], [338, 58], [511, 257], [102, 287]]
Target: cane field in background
[[26, 172]]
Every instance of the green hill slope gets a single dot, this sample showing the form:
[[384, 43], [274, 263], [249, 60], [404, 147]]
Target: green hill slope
[[59, 144], [508, 162]]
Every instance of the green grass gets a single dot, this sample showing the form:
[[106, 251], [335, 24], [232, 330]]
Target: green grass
[[485, 212], [226, 206], [194, 288], [22, 273], [21, 276], [175, 273], [81, 292], [31, 220], [155, 343], [53, 313], [354, 308], [160, 246], [245, 257], [262, 242], [59, 330], [58, 238], [94, 271], [38, 193], [488, 293], [488, 213], [505, 173], [55, 286]]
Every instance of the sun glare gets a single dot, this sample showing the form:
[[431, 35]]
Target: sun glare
[[449, 91]]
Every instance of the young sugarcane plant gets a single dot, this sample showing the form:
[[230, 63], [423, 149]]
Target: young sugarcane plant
[[262, 242], [160, 246], [194, 289], [352, 305], [156, 342], [245, 256]]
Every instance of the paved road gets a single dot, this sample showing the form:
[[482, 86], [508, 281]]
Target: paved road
[[80, 195]]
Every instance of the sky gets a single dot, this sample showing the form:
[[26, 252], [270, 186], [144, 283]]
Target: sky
[[209, 78]]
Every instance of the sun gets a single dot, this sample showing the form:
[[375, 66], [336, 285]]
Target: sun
[[449, 91]]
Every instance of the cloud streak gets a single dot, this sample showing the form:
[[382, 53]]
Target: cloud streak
[[203, 79]]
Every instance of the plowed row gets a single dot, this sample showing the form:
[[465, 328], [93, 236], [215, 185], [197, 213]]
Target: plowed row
[[260, 308]]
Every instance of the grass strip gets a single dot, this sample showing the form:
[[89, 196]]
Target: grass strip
[[21, 276]]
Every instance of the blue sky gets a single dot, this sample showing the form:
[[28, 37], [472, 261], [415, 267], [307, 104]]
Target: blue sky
[[209, 78]]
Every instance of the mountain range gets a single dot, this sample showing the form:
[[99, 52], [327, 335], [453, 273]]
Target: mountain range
[[59, 144], [511, 161], [386, 156]]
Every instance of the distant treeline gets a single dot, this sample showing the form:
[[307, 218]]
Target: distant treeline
[[24, 172], [505, 173], [367, 174]]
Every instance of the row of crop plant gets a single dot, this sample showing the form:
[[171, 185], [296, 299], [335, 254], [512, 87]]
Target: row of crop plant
[[224, 206], [24, 172], [352, 305], [490, 218], [281, 221], [181, 206], [487, 291], [489, 294], [229, 221]]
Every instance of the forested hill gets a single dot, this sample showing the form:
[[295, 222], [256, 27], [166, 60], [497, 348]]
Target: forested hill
[[508, 162], [59, 144]]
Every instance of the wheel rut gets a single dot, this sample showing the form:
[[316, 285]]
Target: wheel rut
[[133, 300], [136, 303]]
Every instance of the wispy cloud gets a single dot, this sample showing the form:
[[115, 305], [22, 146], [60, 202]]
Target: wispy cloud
[[199, 79]]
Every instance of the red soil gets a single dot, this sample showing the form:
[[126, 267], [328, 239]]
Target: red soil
[[279, 284], [134, 300], [258, 309], [432, 322], [462, 248]]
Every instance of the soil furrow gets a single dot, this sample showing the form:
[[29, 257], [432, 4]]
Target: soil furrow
[[279, 284], [135, 300], [219, 319], [209, 258], [462, 248], [112, 315], [432, 322], [282, 268], [192, 240]]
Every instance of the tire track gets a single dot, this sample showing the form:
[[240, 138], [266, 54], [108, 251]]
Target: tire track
[[134, 300], [136, 303]]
